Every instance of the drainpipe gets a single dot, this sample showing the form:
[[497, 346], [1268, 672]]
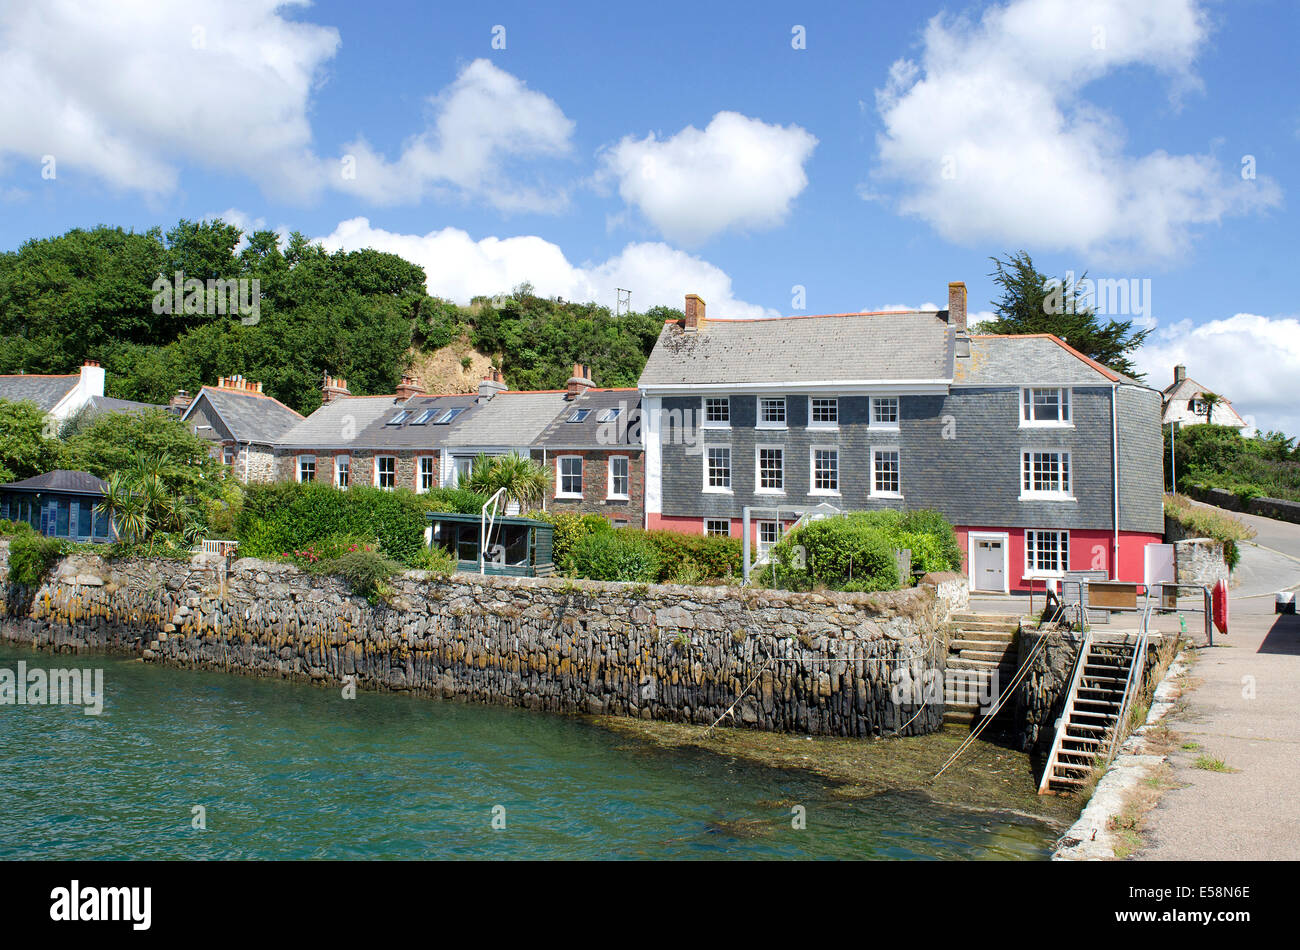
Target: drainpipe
[[1114, 458]]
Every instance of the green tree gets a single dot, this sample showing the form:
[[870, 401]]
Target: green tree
[[1033, 303], [116, 442], [1211, 400], [27, 447]]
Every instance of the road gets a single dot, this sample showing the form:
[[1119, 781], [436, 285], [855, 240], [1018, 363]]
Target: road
[[1244, 709]]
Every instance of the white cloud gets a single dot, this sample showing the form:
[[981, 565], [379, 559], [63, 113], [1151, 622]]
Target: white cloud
[[1252, 360], [130, 90], [738, 173], [992, 141], [458, 267], [124, 89], [483, 119]]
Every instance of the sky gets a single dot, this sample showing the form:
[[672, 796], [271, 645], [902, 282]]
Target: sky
[[775, 158]]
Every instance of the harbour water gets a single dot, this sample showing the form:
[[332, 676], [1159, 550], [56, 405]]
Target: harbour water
[[284, 770]]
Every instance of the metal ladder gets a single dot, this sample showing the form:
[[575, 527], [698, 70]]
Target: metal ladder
[[1107, 676]]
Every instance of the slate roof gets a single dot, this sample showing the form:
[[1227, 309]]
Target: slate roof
[[509, 419], [45, 391], [1028, 360], [411, 433], [250, 417], [61, 480], [592, 432], [844, 348], [340, 424], [100, 404]]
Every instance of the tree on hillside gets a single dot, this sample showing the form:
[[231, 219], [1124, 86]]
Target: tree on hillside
[[1033, 303], [26, 446]]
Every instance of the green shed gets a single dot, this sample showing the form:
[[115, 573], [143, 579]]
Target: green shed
[[519, 547]]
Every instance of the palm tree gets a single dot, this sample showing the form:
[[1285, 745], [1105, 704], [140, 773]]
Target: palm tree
[[525, 482], [1211, 400], [124, 507]]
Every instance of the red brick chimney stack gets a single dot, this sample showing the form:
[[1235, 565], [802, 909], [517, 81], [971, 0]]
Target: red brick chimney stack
[[694, 313]]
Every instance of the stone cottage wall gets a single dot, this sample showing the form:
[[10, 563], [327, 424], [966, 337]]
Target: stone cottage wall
[[822, 664]]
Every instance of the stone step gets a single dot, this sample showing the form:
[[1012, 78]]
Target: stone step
[[986, 666], [997, 646], [963, 615], [991, 626], [991, 656]]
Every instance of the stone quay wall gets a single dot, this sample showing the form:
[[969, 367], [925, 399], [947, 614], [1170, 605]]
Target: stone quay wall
[[814, 663]]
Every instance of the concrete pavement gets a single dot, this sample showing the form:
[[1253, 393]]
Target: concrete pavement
[[1244, 708]]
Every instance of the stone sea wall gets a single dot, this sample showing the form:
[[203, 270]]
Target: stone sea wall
[[815, 663]]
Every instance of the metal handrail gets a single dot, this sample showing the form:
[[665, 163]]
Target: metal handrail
[[486, 523]]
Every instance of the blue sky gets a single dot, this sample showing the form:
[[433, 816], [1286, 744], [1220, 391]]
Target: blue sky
[[675, 148]]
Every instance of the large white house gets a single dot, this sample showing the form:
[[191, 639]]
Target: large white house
[[60, 396]]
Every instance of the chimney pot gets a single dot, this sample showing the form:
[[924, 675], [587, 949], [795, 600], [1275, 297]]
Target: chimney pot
[[957, 305], [333, 388], [410, 386], [694, 312], [580, 381]]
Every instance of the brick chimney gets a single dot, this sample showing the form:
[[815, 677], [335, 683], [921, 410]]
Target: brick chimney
[[409, 386], [957, 305], [333, 388], [180, 402], [694, 312], [492, 384], [580, 381], [1180, 373], [238, 382]]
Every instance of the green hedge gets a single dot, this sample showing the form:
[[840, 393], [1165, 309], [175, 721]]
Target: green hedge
[[31, 556], [615, 556], [279, 519], [856, 551], [706, 557]]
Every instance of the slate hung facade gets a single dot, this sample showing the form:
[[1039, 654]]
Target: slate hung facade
[[1043, 459]]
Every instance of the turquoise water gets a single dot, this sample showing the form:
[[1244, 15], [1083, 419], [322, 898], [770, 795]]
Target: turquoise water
[[295, 771]]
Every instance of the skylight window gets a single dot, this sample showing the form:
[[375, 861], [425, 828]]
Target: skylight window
[[609, 415], [580, 415], [449, 415], [423, 417], [398, 419]]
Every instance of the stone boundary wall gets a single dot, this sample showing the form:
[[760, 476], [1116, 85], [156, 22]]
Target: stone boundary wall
[[1197, 560], [1277, 508], [818, 663]]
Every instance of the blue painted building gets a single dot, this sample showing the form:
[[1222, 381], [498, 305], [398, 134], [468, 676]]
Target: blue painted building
[[58, 504]]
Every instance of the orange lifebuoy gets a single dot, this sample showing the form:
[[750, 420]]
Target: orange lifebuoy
[[1220, 605]]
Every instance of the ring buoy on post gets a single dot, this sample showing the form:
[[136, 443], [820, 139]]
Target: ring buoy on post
[[1219, 597]]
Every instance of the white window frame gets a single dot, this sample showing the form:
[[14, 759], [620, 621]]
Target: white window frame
[[610, 493], [560, 476], [298, 464], [877, 493], [1064, 402], [725, 521], [824, 426], [758, 469], [765, 546], [812, 470], [1065, 473], [884, 426], [704, 413], [731, 469], [761, 423], [420, 487], [342, 463], [379, 482], [1063, 551]]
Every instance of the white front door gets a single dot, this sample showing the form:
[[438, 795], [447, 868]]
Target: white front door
[[988, 569]]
